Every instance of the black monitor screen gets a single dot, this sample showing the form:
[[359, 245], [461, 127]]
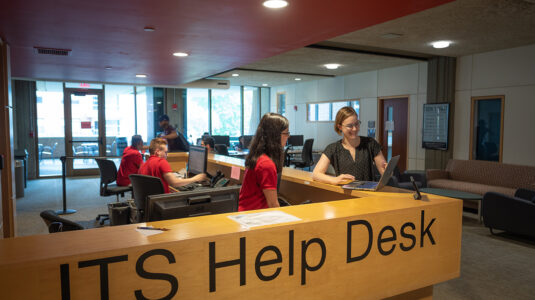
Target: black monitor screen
[[295, 140], [197, 160], [245, 141], [222, 139], [198, 202]]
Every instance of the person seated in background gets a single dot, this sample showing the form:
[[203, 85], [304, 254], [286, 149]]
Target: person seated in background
[[130, 161], [209, 143], [264, 161], [175, 140], [353, 156], [158, 166]]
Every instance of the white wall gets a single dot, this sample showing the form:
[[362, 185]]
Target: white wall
[[408, 80], [511, 73]]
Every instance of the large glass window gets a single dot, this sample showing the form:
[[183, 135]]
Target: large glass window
[[50, 127], [197, 104], [487, 128], [120, 117], [226, 112], [251, 111], [265, 101], [326, 111]]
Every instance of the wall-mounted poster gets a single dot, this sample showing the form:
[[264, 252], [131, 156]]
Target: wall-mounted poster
[[435, 128]]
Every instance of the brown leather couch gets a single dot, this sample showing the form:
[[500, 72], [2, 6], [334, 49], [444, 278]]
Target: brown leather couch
[[479, 177]]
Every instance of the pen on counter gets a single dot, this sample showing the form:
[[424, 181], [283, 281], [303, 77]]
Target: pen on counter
[[152, 228]]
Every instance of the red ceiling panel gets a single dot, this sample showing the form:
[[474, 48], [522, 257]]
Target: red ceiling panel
[[218, 34]]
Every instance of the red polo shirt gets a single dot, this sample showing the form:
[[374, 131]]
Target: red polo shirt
[[129, 165], [262, 177], [157, 167]]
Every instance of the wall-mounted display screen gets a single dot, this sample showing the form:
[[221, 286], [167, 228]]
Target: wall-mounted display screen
[[435, 127]]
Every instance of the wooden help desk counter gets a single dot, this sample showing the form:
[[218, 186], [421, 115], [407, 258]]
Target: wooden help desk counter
[[377, 246]]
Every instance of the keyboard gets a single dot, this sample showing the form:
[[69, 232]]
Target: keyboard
[[188, 187]]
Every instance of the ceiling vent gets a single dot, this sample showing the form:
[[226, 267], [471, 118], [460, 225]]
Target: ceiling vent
[[53, 51]]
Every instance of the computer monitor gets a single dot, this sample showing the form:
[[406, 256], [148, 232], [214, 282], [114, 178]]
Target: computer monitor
[[198, 202], [245, 141], [197, 160], [295, 140], [222, 139]]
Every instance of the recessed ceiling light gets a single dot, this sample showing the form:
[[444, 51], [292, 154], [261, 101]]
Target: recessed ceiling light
[[297, 79], [441, 44], [275, 3], [149, 29], [264, 84], [141, 75], [180, 54], [332, 66], [235, 75], [108, 68]]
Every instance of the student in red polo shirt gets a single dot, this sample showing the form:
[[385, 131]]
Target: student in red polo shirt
[[131, 161], [158, 166], [264, 161]]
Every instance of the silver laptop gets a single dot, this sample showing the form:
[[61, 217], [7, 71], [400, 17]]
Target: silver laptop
[[373, 185]]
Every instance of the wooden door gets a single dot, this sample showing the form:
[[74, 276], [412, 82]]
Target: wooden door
[[393, 122]]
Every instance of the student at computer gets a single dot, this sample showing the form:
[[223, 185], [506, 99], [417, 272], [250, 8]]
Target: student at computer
[[130, 161], [352, 156], [158, 166], [264, 161], [208, 143]]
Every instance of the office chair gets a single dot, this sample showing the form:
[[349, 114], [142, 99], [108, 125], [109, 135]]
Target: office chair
[[221, 149], [402, 180], [144, 186], [108, 174], [56, 223], [306, 156]]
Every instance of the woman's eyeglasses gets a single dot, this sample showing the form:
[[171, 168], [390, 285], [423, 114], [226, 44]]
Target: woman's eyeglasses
[[286, 133], [351, 126]]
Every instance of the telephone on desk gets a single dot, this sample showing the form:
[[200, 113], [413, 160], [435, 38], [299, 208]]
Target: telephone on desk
[[219, 180]]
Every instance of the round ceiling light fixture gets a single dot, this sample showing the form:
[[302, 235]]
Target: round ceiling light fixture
[[332, 66], [297, 79], [264, 84], [108, 67], [275, 3], [235, 75], [441, 44], [180, 54], [149, 29], [141, 75]]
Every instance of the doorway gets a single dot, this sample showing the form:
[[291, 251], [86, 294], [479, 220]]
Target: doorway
[[84, 130], [393, 128]]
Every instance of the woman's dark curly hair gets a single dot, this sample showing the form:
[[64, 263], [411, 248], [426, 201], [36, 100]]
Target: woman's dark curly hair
[[267, 140]]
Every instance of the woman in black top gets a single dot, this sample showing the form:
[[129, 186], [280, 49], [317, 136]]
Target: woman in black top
[[351, 156]]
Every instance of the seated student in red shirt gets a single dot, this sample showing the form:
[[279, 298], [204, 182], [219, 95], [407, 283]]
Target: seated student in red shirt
[[264, 161], [158, 166], [131, 161]]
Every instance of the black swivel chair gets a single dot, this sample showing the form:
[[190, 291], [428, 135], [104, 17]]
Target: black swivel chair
[[144, 186], [306, 156], [403, 180], [221, 149], [108, 174], [56, 223]]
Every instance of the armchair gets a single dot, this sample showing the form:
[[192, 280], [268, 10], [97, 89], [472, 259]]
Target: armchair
[[511, 214]]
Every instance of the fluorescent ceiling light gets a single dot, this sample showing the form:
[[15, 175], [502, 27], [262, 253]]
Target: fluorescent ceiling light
[[264, 84], [332, 66], [297, 79], [180, 54], [141, 75], [275, 3], [441, 44], [235, 75]]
